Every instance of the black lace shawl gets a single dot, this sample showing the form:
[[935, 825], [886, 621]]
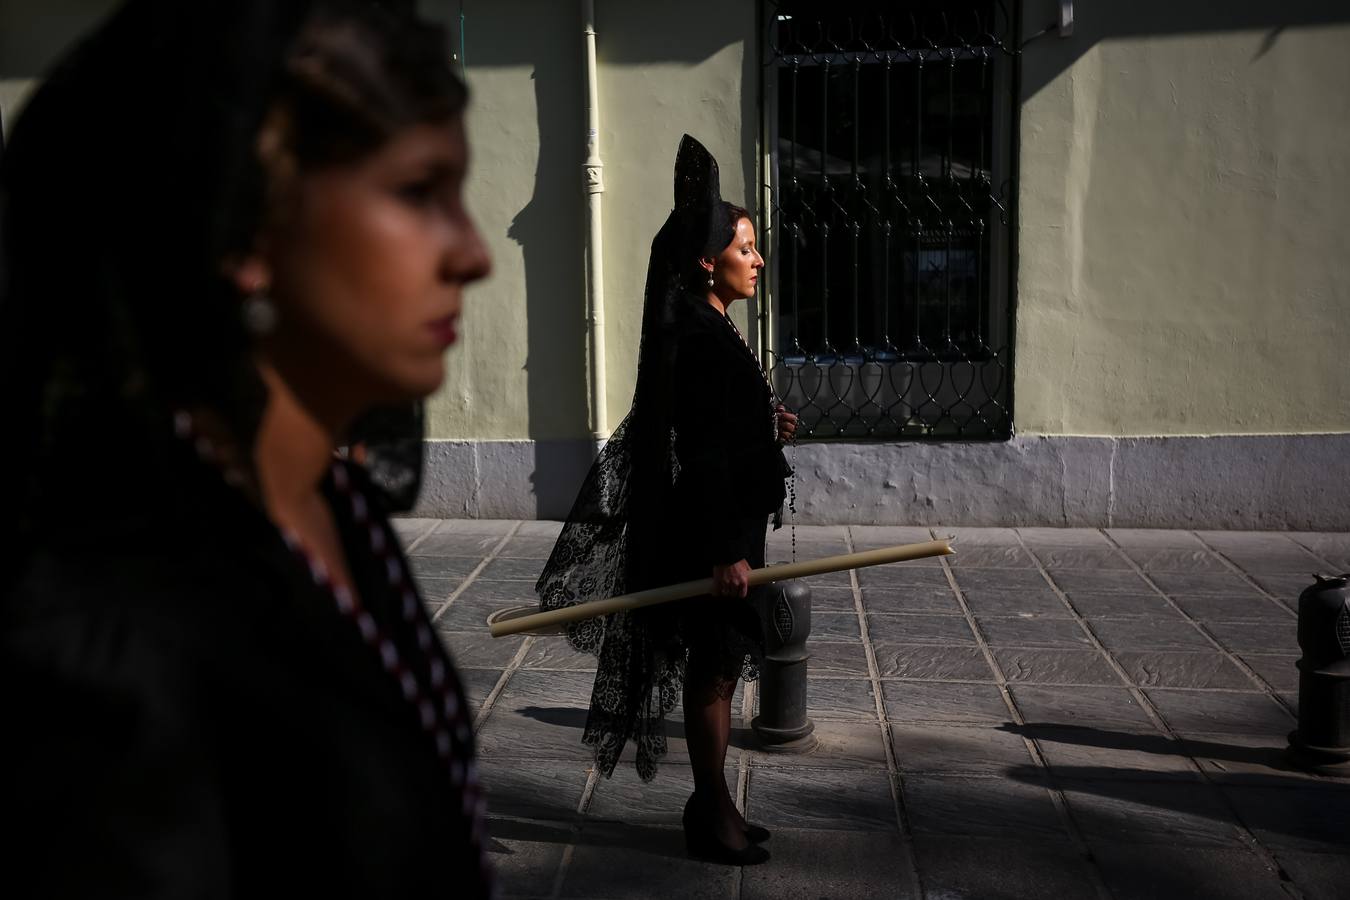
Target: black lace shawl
[[614, 535]]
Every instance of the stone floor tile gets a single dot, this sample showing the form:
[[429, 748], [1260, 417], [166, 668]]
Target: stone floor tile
[[983, 537], [435, 591], [1131, 812], [527, 548], [832, 626], [1064, 537], [1110, 708], [931, 661], [1099, 581], [856, 865], [980, 807], [625, 797], [553, 652], [1032, 631], [993, 602], [990, 556], [1298, 816], [1247, 759], [1320, 876], [821, 798], [1257, 637], [1249, 541], [633, 862], [1286, 587], [1122, 606], [989, 869], [1054, 666], [526, 867], [837, 658], [944, 750], [563, 690], [870, 536], [826, 598], [534, 734], [1154, 538], [541, 528], [1244, 608], [470, 614], [1095, 754], [480, 650], [1001, 580], [477, 684], [901, 576], [1332, 548], [1149, 634], [1221, 712], [840, 744], [838, 698], [948, 702], [919, 601], [1224, 584], [1082, 558], [919, 629], [475, 546], [455, 567], [501, 569], [1182, 669], [1277, 669], [410, 528], [1154, 559], [1290, 559], [539, 789], [1133, 872]]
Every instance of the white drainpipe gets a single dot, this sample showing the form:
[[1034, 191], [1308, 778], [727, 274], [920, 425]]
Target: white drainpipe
[[595, 189]]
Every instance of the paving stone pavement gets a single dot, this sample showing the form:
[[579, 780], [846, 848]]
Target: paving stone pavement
[[1049, 713]]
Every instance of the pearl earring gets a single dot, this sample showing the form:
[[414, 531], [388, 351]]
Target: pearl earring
[[259, 313], [710, 279]]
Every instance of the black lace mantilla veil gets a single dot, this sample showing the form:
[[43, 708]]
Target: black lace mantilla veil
[[616, 534]]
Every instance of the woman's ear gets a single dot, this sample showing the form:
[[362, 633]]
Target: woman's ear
[[249, 274], [708, 264]]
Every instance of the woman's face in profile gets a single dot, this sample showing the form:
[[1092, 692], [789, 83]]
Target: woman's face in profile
[[368, 267]]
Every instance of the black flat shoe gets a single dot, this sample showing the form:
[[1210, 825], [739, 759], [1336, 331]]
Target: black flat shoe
[[701, 843], [756, 834]]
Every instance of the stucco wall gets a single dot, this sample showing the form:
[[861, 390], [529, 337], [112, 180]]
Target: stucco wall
[[664, 69], [1184, 225]]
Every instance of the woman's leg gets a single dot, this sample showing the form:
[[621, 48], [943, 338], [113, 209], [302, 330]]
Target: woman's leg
[[707, 728]]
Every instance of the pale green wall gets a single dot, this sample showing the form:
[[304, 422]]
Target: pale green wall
[[1185, 221], [1185, 206], [664, 69]]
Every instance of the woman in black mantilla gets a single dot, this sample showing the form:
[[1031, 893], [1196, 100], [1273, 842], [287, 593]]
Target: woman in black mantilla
[[228, 229], [684, 488]]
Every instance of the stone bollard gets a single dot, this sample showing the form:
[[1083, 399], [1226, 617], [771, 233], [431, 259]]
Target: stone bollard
[[1322, 739], [782, 724]]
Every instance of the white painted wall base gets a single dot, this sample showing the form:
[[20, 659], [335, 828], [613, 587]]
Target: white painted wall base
[[1294, 482]]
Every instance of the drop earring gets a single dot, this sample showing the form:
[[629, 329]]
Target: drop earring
[[710, 279], [259, 313]]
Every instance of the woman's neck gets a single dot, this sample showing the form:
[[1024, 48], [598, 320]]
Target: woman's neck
[[294, 450], [718, 303]]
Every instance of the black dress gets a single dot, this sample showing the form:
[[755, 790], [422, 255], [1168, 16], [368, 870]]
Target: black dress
[[189, 715], [729, 481]]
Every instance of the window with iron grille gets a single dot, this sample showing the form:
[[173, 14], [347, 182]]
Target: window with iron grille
[[890, 131]]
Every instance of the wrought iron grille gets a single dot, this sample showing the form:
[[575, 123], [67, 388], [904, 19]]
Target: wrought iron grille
[[890, 127]]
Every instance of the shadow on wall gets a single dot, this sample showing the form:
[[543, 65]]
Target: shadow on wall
[[551, 231], [1050, 55], [551, 228]]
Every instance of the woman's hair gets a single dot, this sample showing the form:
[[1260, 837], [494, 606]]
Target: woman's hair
[[719, 232], [151, 155]]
